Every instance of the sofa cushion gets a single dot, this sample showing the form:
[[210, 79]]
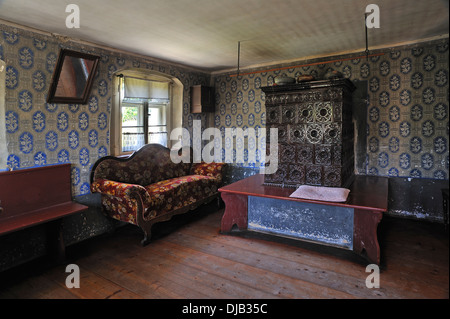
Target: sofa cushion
[[178, 192]]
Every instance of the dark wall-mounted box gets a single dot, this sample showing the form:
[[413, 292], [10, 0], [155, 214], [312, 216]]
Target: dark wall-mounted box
[[202, 99]]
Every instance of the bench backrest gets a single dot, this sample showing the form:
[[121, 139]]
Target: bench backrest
[[27, 190], [150, 164]]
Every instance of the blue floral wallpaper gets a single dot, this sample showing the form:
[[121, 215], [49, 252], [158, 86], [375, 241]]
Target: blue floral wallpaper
[[39, 133], [407, 106]]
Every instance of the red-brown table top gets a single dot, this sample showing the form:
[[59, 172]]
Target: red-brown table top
[[366, 192]]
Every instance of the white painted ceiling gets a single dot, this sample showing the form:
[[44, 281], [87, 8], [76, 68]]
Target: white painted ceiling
[[205, 33]]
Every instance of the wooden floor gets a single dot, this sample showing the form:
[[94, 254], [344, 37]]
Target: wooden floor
[[193, 260]]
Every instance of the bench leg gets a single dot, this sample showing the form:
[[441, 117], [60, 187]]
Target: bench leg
[[56, 244], [235, 212], [365, 238]]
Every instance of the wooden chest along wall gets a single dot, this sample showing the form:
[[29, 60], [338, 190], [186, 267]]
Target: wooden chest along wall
[[315, 133]]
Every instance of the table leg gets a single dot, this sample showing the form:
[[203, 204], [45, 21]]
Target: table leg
[[365, 236], [235, 212]]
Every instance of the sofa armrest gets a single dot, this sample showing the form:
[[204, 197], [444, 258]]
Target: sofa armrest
[[117, 189], [212, 169], [122, 201]]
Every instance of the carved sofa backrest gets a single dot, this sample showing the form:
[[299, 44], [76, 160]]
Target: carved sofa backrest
[[150, 164]]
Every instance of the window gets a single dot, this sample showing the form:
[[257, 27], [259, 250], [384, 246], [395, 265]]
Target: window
[[147, 106], [144, 110], [139, 129]]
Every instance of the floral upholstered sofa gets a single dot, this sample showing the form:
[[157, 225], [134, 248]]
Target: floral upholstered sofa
[[148, 187]]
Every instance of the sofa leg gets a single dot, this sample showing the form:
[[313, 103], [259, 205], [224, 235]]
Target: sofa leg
[[146, 240], [147, 237]]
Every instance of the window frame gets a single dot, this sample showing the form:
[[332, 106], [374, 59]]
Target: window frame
[[174, 109]]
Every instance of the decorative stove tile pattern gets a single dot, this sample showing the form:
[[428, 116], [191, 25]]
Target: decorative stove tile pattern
[[318, 146]]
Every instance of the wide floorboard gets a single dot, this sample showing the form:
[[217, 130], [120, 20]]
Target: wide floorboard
[[191, 259]]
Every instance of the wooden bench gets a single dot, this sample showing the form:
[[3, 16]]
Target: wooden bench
[[30, 197]]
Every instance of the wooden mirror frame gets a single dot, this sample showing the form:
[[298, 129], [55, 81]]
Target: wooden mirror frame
[[78, 98]]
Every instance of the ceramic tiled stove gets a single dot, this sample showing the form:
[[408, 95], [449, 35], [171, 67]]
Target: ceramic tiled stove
[[315, 133]]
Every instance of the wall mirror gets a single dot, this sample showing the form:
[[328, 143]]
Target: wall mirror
[[73, 77]]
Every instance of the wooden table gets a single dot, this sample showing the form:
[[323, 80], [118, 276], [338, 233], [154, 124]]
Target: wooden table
[[367, 201]]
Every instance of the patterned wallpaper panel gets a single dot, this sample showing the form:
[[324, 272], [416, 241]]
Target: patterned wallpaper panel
[[407, 106], [39, 133]]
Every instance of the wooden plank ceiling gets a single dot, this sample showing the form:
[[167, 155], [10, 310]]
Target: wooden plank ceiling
[[205, 33]]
